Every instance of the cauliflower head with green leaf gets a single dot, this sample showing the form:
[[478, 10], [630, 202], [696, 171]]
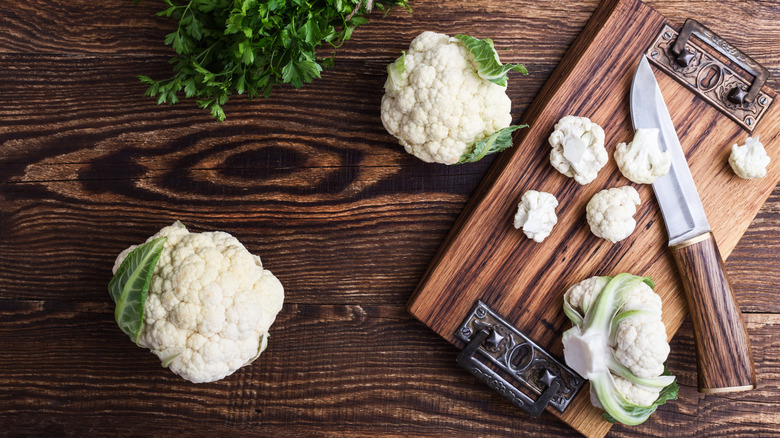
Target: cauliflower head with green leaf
[[209, 305], [618, 342], [445, 99]]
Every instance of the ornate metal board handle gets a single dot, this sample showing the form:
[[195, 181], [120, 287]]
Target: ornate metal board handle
[[708, 77], [736, 95], [500, 355]]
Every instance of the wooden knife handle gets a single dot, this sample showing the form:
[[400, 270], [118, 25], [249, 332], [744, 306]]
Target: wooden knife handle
[[723, 357]]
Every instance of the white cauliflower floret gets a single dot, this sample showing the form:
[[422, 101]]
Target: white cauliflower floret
[[610, 213], [210, 304], [436, 103], [641, 345], [578, 148], [581, 295], [638, 395], [642, 160], [536, 214], [749, 160]]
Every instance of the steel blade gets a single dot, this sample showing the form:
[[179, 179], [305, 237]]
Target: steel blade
[[676, 192]]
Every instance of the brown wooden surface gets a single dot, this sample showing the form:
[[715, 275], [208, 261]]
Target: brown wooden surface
[[485, 258], [310, 181], [724, 361]]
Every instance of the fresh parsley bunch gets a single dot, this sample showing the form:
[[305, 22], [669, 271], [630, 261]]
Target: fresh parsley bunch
[[249, 46]]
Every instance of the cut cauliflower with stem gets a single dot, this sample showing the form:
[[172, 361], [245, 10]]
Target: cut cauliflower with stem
[[641, 160], [618, 342], [750, 160], [610, 213], [536, 214], [445, 99], [209, 305], [578, 148]]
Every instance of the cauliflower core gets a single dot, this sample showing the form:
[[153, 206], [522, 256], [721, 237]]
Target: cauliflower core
[[578, 148], [749, 160], [642, 160], [536, 214], [209, 306], [610, 213], [436, 103]]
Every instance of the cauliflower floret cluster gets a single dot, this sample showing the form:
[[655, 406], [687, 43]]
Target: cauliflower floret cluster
[[536, 214], [209, 306], [749, 160], [618, 342], [578, 148], [642, 160], [436, 103], [610, 213]]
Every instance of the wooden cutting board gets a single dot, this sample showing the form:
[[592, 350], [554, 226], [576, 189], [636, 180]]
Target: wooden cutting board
[[485, 258]]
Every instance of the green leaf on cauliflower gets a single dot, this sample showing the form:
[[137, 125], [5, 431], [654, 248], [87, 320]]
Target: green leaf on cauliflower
[[395, 72], [638, 412], [496, 142], [130, 284], [489, 66]]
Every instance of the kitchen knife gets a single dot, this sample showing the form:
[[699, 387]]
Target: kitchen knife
[[723, 356]]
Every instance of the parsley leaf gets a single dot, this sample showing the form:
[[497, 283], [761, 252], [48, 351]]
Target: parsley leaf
[[226, 47]]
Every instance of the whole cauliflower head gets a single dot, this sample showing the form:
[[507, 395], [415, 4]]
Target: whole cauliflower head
[[642, 160], [536, 214], [578, 148], [437, 105], [750, 160], [209, 306], [610, 213]]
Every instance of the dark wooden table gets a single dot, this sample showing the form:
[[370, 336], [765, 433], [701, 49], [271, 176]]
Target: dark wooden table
[[309, 180]]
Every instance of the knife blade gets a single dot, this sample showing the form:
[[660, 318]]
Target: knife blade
[[723, 354]]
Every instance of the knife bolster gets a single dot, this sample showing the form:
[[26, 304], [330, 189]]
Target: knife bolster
[[723, 355]]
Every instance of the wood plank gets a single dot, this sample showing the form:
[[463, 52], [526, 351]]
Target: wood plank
[[389, 379], [485, 258]]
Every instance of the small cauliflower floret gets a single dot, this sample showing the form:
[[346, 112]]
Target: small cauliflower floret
[[750, 160], [618, 342], [438, 106], [638, 395], [578, 148], [210, 304], [610, 213], [536, 214], [642, 160]]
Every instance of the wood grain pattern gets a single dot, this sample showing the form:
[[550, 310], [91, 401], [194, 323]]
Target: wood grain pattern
[[724, 361], [485, 258], [309, 180]]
